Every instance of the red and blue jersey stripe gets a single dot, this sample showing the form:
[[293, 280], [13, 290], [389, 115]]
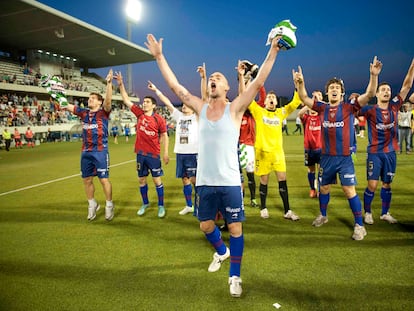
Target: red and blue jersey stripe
[[94, 128], [383, 126], [338, 132]]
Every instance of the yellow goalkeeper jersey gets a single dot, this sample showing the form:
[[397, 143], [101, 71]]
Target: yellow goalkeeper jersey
[[269, 124]]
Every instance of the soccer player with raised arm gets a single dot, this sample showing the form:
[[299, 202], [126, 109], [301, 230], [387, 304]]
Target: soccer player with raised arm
[[218, 176], [338, 134], [382, 121], [185, 147], [151, 133], [269, 153], [95, 155]]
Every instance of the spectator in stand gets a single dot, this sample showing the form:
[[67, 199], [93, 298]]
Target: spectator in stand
[[26, 69]]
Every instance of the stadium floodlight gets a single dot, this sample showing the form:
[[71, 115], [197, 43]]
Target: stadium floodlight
[[133, 12]]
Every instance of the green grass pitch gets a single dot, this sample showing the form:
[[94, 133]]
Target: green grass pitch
[[52, 258]]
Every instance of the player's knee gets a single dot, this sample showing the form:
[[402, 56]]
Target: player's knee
[[235, 229]]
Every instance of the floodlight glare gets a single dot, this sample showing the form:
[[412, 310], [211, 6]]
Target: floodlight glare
[[133, 10]]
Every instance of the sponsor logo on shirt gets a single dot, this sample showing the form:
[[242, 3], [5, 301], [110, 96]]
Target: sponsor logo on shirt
[[328, 124], [90, 126]]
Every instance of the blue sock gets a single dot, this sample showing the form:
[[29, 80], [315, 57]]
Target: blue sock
[[215, 239], [236, 254], [386, 195], [368, 197], [160, 193], [323, 203], [311, 179], [144, 194], [355, 205], [188, 190]]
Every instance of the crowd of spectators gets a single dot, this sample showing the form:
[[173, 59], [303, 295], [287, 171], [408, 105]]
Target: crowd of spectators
[[27, 110]]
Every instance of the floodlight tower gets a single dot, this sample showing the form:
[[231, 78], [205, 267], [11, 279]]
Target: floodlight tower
[[133, 10]]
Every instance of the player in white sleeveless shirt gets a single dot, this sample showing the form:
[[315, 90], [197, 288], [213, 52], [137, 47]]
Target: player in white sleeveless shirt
[[218, 178]]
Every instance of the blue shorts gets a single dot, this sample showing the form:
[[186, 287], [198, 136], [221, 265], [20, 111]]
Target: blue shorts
[[312, 157], [95, 163], [341, 165], [147, 163], [381, 165], [228, 200], [186, 165]]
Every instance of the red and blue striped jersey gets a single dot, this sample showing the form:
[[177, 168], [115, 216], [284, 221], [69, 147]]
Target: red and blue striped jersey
[[338, 132], [94, 128], [382, 126]]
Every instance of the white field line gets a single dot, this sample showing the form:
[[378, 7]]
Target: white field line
[[55, 180], [77, 175]]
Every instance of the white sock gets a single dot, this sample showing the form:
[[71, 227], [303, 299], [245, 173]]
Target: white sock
[[92, 202], [109, 204]]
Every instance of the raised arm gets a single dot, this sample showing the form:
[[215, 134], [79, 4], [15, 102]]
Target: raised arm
[[203, 87], [161, 96], [155, 47], [374, 70], [303, 111], [411, 99], [241, 69], [299, 82], [408, 81], [122, 90], [69, 107], [107, 105], [244, 99]]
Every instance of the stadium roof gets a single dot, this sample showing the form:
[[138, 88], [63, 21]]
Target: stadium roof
[[28, 24]]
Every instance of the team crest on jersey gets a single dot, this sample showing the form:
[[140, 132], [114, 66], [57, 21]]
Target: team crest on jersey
[[385, 115]]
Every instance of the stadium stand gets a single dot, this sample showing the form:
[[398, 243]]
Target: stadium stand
[[30, 49]]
